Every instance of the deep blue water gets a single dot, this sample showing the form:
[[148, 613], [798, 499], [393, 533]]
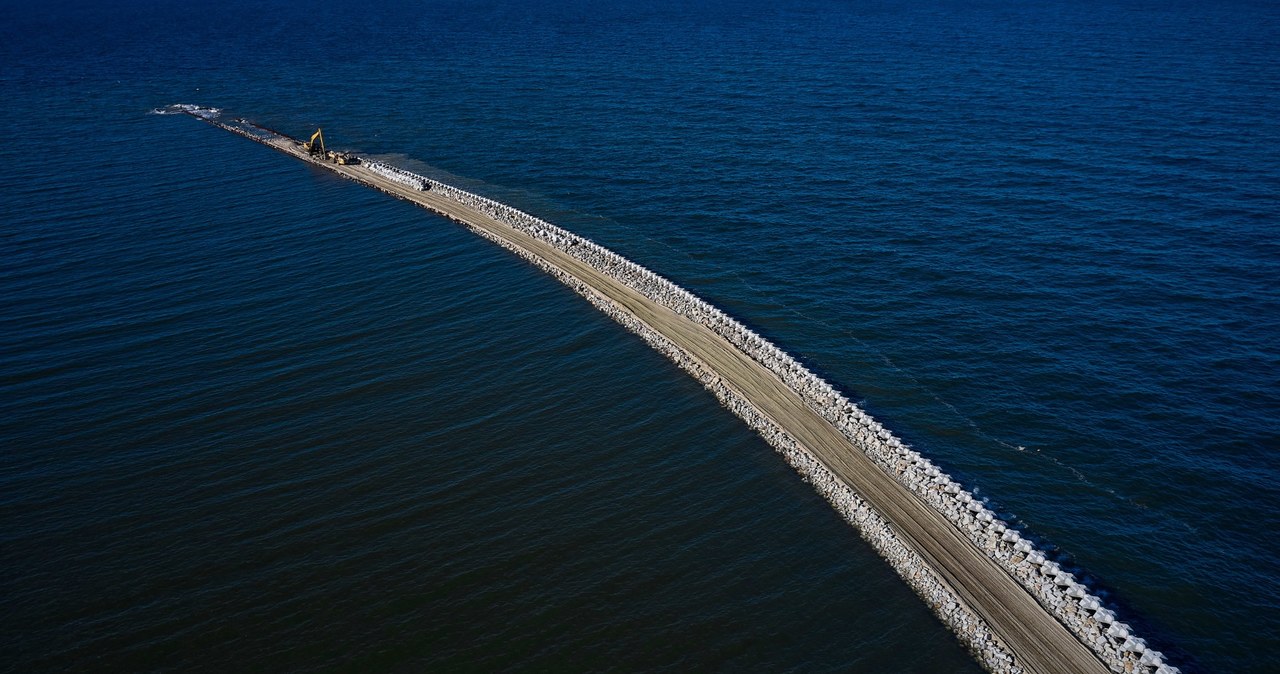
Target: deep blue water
[[255, 417]]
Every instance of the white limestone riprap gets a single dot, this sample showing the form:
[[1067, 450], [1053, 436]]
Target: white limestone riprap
[[398, 175], [1055, 588]]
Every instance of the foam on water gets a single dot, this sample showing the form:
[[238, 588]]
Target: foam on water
[[202, 112]]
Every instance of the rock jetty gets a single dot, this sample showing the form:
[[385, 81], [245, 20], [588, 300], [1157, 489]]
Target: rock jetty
[[1057, 590], [1054, 587]]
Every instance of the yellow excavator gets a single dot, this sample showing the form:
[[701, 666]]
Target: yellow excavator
[[312, 147], [315, 148]]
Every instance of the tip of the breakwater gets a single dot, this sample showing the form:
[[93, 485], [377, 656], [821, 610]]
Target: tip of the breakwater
[[1015, 608]]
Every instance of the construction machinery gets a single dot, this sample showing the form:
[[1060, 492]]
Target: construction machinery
[[315, 148]]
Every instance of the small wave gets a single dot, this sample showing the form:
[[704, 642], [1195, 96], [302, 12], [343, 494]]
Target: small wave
[[188, 109]]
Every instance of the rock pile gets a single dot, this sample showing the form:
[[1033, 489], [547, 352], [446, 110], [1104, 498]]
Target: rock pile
[[398, 175]]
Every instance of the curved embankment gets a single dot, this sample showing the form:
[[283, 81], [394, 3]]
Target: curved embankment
[[1014, 609]]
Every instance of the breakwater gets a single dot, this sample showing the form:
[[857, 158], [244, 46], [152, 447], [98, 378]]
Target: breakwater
[[646, 303]]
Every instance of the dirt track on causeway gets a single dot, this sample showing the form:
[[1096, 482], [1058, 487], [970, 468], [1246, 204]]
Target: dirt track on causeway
[[1039, 642]]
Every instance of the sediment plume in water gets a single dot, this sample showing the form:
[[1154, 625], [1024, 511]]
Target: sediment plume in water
[[1056, 589]]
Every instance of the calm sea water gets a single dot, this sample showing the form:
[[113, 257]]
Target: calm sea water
[[257, 418]]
